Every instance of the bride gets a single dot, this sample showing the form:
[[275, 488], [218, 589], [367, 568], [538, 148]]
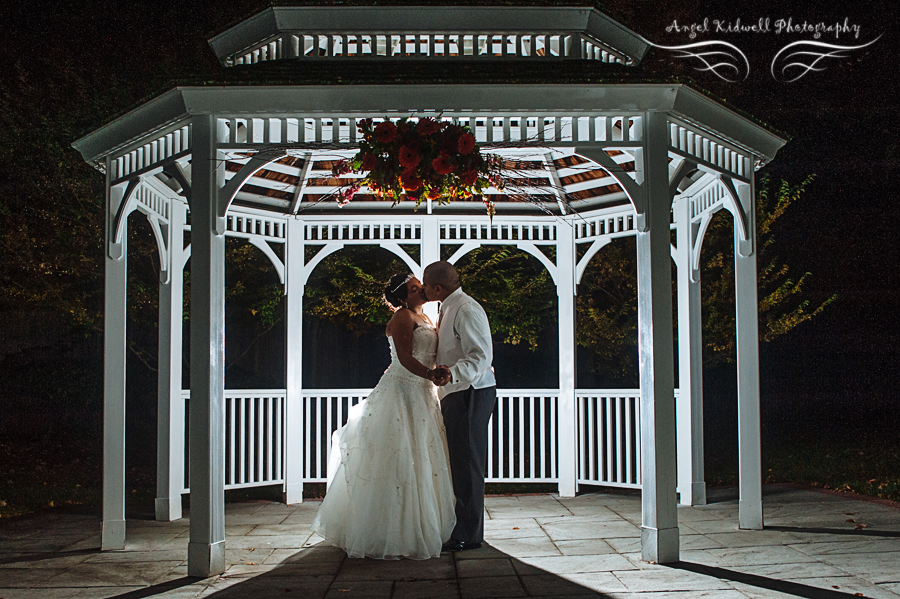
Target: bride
[[389, 490]]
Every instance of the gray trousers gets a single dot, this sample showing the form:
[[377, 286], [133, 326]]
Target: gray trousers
[[466, 415]]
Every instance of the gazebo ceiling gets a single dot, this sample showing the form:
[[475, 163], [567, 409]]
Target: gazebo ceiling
[[536, 178]]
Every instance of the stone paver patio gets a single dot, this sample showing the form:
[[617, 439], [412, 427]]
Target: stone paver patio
[[537, 546]]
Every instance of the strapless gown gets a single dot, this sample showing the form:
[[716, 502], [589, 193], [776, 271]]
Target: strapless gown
[[389, 490]]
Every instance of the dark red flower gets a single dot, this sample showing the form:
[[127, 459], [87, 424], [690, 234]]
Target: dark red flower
[[466, 143], [427, 126], [449, 144], [442, 164], [408, 157], [368, 161], [410, 181], [470, 177], [385, 132], [434, 193], [341, 167]]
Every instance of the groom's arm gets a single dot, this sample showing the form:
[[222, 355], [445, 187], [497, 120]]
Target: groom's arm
[[471, 324]]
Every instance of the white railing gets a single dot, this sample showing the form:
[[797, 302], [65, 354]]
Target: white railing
[[523, 439], [254, 438], [426, 45], [522, 443], [609, 437]]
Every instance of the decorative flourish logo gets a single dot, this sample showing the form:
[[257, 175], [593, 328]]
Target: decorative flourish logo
[[798, 59], [727, 64], [792, 62]]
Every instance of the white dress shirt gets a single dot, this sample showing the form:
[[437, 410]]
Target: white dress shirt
[[464, 344]]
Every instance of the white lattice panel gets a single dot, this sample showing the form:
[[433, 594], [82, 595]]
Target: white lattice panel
[[550, 129], [152, 153], [413, 46], [363, 233], [695, 145], [498, 231]]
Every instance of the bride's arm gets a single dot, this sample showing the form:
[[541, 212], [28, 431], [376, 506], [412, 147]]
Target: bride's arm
[[401, 327]]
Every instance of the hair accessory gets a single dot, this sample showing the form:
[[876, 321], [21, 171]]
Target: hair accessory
[[405, 281]]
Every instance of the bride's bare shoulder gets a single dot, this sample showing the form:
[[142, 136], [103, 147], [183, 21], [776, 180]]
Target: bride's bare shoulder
[[402, 320]]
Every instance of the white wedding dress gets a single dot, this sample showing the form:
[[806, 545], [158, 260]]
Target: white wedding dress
[[389, 490]]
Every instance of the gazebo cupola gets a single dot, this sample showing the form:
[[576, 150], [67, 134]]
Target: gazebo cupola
[[589, 157]]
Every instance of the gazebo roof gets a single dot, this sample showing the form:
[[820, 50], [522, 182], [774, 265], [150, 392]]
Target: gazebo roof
[[540, 80], [429, 32]]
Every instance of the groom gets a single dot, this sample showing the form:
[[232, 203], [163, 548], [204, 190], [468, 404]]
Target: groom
[[468, 394]]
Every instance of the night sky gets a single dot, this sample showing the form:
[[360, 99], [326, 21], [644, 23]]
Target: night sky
[[842, 122]]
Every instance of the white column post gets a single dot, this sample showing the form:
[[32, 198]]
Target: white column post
[[170, 421], [750, 511], [431, 252], [659, 518], [567, 436], [206, 549], [689, 405], [294, 434], [115, 298]]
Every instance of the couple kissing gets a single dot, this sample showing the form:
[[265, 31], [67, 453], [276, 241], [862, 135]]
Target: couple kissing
[[406, 473]]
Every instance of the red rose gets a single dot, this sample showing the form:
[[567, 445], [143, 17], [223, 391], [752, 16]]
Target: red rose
[[368, 161], [408, 158], [385, 132], [466, 143], [470, 177], [427, 126], [442, 164]]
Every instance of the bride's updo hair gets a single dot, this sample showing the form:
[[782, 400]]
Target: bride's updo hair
[[396, 290]]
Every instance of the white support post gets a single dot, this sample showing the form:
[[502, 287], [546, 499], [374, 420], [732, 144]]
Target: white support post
[[115, 297], [206, 549], [750, 511], [293, 420], [659, 517], [689, 405], [170, 423], [567, 437], [431, 252]]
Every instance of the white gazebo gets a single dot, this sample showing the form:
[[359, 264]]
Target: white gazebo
[[252, 160]]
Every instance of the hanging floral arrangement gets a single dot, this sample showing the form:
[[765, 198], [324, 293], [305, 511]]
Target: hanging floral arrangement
[[417, 160]]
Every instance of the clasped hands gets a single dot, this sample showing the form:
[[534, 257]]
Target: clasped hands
[[439, 375]]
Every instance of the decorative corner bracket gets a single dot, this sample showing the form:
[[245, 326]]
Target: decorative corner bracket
[[628, 185], [745, 246], [230, 189]]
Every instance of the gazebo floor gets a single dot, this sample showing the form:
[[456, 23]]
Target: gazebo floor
[[537, 546]]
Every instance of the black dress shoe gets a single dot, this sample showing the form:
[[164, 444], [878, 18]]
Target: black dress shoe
[[453, 546]]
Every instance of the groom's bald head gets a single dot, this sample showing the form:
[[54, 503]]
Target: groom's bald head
[[439, 280]]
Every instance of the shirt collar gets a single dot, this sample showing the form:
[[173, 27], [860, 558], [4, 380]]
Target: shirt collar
[[455, 296]]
